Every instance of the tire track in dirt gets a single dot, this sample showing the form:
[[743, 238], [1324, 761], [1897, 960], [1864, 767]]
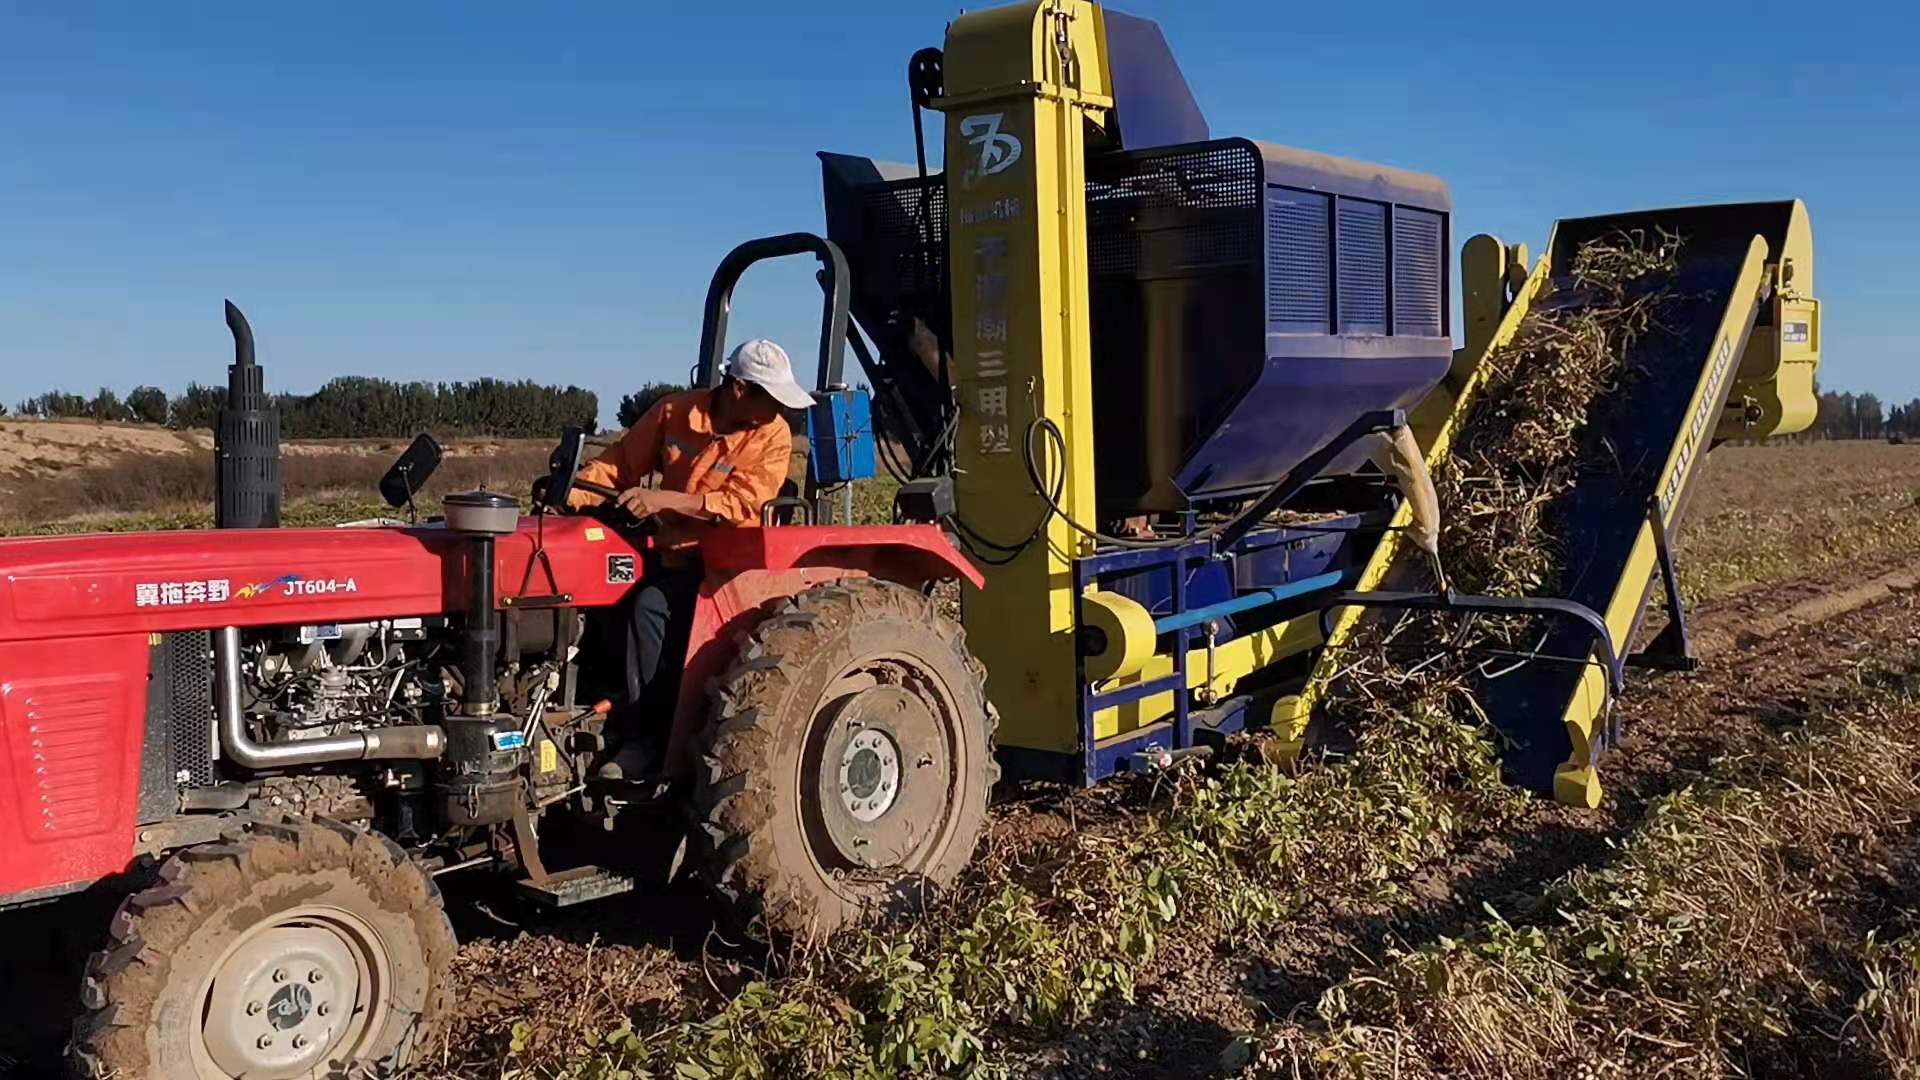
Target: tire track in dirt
[[1768, 667], [1822, 604]]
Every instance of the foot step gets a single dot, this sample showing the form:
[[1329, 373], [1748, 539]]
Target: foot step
[[576, 886]]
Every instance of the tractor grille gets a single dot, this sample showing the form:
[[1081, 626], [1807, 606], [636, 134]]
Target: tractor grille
[[176, 749], [189, 682]]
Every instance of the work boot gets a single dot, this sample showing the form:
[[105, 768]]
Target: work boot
[[636, 759]]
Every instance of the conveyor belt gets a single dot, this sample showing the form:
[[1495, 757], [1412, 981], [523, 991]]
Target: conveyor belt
[[1647, 439], [1649, 434]]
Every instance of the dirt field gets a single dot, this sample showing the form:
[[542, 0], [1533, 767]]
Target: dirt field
[[78, 475], [1739, 905]]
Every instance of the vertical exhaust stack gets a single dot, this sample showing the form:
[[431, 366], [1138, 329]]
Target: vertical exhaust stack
[[481, 785], [246, 442]]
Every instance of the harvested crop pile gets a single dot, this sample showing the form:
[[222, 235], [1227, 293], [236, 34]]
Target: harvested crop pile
[[1520, 450]]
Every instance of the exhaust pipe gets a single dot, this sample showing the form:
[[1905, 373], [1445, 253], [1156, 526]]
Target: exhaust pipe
[[246, 441], [387, 744]]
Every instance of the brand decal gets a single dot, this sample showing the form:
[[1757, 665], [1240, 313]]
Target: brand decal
[[291, 585], [248, 592], [1703, 413], [182, 593], [998, 150], [221, 590]]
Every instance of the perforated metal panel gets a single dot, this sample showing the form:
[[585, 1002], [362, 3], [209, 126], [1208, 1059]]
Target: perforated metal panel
[[190, 704], [1362, 241], [896, 223], [1419, 279], [1299, 277], [1162, 212]]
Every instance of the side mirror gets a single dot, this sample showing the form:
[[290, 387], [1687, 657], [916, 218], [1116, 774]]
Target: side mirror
[[410, 471], [562, 464]]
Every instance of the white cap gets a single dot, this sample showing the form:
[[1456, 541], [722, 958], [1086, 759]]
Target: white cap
[[763, 363]]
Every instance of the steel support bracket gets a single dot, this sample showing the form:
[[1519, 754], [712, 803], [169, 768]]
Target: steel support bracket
[[1672, 648]]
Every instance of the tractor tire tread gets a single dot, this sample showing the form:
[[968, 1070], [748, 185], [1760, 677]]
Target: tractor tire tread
[[743, 865], [125, 979]]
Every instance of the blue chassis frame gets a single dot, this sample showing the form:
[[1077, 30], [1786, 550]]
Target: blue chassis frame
[[1309, 552]]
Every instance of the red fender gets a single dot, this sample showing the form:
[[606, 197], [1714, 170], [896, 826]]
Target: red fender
[[913, 554]]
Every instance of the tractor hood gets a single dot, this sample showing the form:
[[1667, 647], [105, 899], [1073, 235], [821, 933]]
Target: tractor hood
[[78, 586]]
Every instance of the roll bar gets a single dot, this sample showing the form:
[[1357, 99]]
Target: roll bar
[[833, 315]]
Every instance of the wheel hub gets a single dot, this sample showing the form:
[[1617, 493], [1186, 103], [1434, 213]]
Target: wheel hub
[[883, 776], [869, 774], [287, 998]]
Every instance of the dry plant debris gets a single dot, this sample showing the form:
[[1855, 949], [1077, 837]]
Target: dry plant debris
[[1517, 455]]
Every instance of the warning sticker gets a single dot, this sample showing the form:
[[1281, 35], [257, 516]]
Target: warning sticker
[[1794, 332], [620, 570]]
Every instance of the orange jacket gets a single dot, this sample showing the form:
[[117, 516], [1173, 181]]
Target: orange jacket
[[734, 473]]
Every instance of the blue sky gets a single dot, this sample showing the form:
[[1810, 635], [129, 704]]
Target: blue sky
[[443, 191]]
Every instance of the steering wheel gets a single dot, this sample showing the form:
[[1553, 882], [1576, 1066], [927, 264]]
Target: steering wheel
[[563, 468]]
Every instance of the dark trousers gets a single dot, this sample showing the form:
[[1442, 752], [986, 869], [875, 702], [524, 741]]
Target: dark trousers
[[656, 648]]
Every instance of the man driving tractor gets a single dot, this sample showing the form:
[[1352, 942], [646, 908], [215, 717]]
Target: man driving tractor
[[721, 453]]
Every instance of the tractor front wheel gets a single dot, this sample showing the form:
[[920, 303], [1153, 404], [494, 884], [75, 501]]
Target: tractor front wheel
[[849, 762], [300, 949]]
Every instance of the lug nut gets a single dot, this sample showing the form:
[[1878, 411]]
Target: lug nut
[[254, 1007], [263, 1041], [323, 1009], [279, 974], [299, 1042], [315, 976]]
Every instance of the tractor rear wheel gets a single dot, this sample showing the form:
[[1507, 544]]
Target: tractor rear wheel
[[849, 762], [301, 948]]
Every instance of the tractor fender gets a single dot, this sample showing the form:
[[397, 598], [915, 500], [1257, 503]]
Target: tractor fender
[[910, 554], [747, 567]]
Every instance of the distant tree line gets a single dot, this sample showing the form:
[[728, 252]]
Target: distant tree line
[[1864, 416], [351, 407], [635, 405]]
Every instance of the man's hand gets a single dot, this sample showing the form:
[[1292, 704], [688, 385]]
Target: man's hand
[[646, 502]]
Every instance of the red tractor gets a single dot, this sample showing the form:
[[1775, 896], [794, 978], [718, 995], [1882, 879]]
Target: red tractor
[[284, 735]]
